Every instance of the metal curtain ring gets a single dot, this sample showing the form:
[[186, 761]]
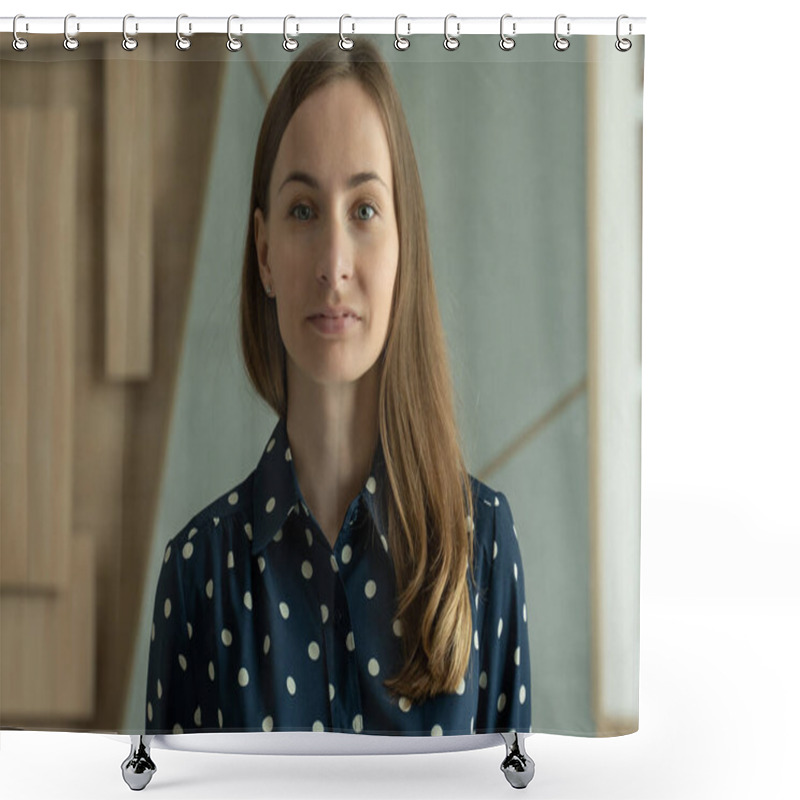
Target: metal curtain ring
[[561, 44], [19, 43], [623, 45], [289, 44], [182, 43], [507, 42], [451, 42], [233, 44], [399, 42], [128, 42], [344, 42], [70, 42]]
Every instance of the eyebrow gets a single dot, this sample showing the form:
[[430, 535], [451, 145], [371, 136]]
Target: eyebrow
[[355, 180]]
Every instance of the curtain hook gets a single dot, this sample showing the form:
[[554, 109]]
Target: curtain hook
[[344, 42], [289, 44], [623, 45], [233, 44], [70, 42], [507, 42], [128, 42], [182, 43], [399, 42], [451, 42], [561, 44], [19, 43]]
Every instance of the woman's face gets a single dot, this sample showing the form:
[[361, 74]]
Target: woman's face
[[330, 247]]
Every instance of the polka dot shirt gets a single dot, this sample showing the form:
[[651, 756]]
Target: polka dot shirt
[[259, 625]]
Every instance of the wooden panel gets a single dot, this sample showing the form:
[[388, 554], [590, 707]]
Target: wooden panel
[[14, 255], [47, 645], [120, 428], [128, 212], [51, 339], [38, 443]]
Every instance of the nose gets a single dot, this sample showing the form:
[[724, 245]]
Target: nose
[[335, 261]]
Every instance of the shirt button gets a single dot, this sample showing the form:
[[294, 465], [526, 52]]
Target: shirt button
[[339, 616]]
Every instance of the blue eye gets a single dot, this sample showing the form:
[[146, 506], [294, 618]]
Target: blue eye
[[301, 212], [365, 207]]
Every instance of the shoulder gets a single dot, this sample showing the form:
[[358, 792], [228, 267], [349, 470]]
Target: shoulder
[[227, 517], [493, 520]]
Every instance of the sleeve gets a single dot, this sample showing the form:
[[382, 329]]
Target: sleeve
[[170, 695], [504, 697]]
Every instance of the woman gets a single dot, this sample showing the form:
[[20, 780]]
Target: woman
[[359, 579]]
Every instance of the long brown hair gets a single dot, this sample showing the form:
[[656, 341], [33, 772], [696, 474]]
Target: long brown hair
[[429, 505]]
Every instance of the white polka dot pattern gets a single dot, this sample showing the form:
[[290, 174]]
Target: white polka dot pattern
[[246, 574]]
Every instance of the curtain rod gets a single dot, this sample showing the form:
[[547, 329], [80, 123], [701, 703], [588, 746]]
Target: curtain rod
[[347, 25]]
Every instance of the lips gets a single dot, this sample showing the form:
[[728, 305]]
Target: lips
[[337, 313], [334, 325]]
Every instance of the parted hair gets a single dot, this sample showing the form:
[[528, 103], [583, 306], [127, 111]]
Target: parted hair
[[429, 505]]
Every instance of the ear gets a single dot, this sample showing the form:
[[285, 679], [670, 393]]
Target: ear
[[262, 248]]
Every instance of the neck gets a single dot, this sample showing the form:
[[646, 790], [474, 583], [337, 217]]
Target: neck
[[333, 433]]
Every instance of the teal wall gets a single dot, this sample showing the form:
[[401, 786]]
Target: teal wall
[[500, 142]]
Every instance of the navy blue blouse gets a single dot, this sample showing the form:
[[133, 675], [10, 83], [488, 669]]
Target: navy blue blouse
[[259, 625]]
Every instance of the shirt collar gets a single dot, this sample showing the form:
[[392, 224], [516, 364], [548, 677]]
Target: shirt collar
[[277, 495]]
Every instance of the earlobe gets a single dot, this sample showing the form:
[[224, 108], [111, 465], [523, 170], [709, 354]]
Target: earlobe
[[262, 249]]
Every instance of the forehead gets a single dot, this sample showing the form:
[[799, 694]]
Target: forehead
[[336, 132]]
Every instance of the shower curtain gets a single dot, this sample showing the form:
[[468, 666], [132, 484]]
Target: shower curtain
[[127, 409]]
